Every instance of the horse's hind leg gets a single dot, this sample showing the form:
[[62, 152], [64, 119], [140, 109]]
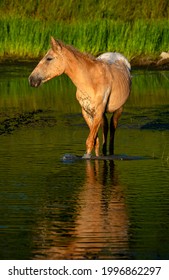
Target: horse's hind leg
[[104, 125], [113, 126], [96, 145]]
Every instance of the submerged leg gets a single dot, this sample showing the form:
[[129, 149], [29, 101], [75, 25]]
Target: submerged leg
[[104, 125], [113, 126]]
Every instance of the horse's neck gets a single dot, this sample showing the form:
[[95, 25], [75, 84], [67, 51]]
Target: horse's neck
[[77, 70]]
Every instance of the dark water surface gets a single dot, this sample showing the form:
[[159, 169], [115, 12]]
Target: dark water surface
[[50, 209]]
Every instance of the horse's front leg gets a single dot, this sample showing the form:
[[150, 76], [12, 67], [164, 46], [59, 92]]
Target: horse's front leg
[[95, 142], [92, 139]]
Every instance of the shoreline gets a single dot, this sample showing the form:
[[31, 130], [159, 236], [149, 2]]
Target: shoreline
[[143, 62]]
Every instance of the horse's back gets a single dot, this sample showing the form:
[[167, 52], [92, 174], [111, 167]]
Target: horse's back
[[113, 57]]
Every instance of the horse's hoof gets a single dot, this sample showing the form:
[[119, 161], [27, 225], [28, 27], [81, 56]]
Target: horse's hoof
[[86, 156]]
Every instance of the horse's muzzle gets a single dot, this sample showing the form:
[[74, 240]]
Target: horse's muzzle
[[34, 81]]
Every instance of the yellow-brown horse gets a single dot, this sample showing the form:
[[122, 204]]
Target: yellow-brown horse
[[103, 85]]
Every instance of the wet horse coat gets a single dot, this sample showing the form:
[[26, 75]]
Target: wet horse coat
[[103, 85]]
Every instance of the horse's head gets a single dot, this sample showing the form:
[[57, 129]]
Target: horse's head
[[51, 65]]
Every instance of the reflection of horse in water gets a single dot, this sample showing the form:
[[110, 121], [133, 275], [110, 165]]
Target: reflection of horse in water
[[100, 228]]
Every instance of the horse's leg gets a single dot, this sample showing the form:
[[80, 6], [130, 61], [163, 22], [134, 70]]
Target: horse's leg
[[104, 125], [113, 126], [92, 137], [96, 145], [89, 121]]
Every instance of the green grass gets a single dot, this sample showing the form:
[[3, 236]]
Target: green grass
[[29, 38], [132, 27], [22, 37]]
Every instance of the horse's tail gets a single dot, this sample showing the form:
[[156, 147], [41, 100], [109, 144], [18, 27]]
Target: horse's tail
[[113, 57]]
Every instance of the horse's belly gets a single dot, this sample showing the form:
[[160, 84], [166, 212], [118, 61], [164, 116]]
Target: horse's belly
[[121, 84], [117, 100]]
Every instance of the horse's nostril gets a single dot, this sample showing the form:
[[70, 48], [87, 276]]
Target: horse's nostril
[[30, 79], [34, 81]]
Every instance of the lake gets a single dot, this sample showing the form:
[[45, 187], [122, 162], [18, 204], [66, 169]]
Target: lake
[[93, 209]]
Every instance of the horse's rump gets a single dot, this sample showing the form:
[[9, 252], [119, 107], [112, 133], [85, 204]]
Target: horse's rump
[[121, 83]]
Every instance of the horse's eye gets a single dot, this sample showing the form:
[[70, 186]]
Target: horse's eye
[[49, 58]]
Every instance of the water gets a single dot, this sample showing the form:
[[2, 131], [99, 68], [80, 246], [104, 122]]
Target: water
[[50, 209]]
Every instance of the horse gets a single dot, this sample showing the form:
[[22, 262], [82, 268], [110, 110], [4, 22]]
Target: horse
[[103, 86]]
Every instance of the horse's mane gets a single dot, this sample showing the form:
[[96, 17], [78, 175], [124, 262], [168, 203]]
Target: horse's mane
[[78, 54]]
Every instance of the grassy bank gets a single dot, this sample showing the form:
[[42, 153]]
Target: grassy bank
[[137, 28], [27, 38]]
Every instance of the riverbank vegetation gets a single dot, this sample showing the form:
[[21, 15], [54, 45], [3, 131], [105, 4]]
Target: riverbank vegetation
[[138, 29]]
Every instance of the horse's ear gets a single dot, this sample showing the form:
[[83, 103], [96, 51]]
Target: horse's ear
[[55, 44]]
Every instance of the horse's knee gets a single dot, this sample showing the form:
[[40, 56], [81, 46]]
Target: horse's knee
[[89, 145]]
